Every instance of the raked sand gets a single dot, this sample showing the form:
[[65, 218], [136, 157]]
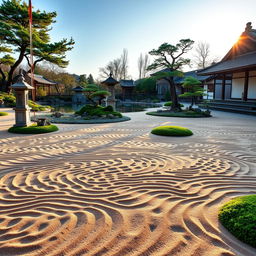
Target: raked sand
[[116, 189]]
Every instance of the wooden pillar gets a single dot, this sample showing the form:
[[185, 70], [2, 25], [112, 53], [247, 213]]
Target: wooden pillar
[[49, 90], [246, 84], [223, 87]]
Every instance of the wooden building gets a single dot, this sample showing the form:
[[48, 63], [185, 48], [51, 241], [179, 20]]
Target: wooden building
[[127, 89], [46, 85], [235, 75], [162, 86]]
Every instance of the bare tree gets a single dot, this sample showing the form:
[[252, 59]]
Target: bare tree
[[124, 64], [118, 67], [202, 55], [143, 63]]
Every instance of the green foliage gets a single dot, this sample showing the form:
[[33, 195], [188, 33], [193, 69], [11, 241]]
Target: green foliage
[[169, 104], [90, 79], [3, 114], [36, 107], [92, 110], [34, 129], [171, 131], [10, 101], [239, 217], [101, 94], [146, 85], [194, 90], [175, 53], [14, 37], [170, 57]]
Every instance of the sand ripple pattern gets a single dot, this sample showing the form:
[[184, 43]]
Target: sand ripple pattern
[[109, 203], [106, 191]]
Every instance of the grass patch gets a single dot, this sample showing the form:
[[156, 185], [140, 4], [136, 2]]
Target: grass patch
[[34, 129], [239, 217], [179, 114], [171, 131], [3, 114]]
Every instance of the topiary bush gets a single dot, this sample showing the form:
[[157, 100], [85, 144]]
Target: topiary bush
[[171, 131], [239, 217], [92, 110], [169, 104], [3, 114], [34, 129]]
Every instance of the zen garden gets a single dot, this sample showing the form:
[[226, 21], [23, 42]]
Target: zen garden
[[160, 161]]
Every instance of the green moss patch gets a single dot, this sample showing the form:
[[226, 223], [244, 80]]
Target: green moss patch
[[3, 114], [34, 129], [179, 114], [171, 131], [239, 217], [90, 111]]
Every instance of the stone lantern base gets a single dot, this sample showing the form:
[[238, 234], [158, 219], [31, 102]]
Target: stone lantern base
[[22, 117], [111, 102]]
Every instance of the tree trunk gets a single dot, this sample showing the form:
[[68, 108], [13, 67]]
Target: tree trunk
[[13, 68], [175, 104]]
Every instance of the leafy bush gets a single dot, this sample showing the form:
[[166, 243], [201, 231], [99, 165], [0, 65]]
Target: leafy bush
[[239, 217], [34, 129], [10, 101], [171, 131], [169, 104], [91, 110], [3, 114]]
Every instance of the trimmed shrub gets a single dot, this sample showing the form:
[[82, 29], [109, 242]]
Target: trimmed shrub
[[91, 110], [239, 217], [169, 104], [186, 113], [34, 129], [3, 114], [171, 131]]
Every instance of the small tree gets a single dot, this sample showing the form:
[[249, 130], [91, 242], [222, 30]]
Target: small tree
[[101, 95], [170, 57], [194, 90], [92, 91]]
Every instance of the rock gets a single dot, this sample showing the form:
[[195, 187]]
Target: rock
[[57, 114]]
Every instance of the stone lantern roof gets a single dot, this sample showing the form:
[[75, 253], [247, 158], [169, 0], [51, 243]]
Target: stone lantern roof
[[21, 84], [110, 81], [78, 89]]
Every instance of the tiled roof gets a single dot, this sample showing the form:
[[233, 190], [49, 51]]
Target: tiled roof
[[41, 80], [241, 62]]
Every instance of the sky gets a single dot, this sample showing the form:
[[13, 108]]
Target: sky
[[103, 28]]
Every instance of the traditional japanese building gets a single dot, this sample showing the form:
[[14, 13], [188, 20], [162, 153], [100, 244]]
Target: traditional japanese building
[[235, 75], [41, 82], [162, 86], [127, 88]]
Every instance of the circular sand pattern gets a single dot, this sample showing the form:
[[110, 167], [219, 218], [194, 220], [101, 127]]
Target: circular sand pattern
[[121, 203]]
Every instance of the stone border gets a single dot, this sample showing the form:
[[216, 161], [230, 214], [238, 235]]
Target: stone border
[[81, 121]]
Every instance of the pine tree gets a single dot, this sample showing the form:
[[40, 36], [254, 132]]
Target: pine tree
[[14, 37]]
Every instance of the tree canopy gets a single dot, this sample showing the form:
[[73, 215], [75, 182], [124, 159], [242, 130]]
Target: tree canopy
[[170, 58], [14, 38], [194, 90]]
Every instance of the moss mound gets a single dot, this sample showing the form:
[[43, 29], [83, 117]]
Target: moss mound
[[171, 131], [90, 111], [239, 217], [180, 114], [34, 129], [3, 114]]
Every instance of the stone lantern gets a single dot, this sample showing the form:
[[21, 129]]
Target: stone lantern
[[22, 110], [78, 97], [110, 83]]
